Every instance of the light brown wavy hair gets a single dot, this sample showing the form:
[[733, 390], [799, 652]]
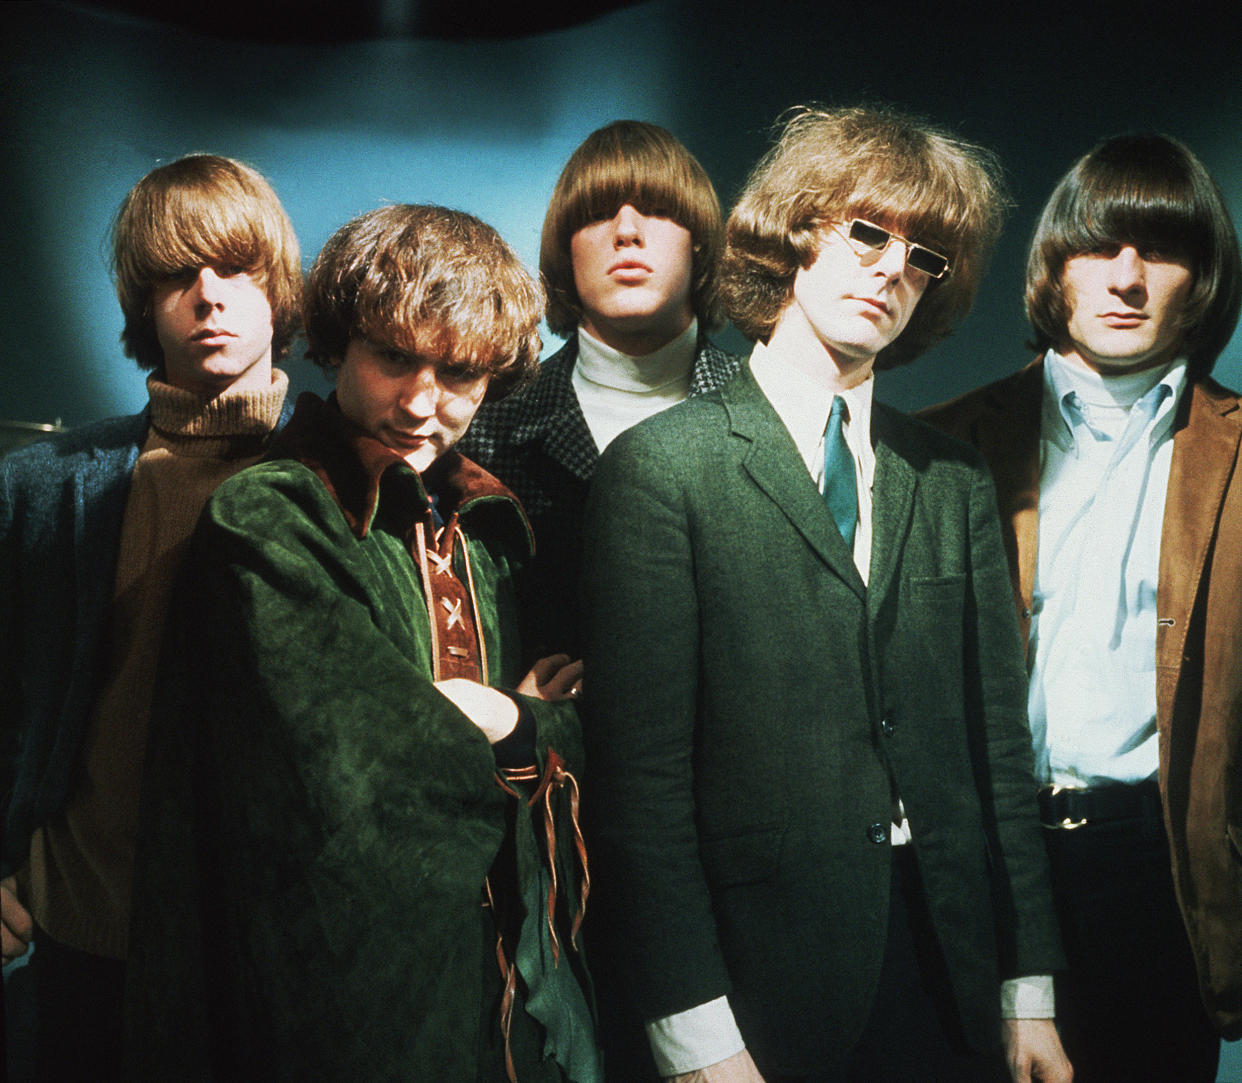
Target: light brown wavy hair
[[434, 283], [630, 161], [199, 211], [831, 165]]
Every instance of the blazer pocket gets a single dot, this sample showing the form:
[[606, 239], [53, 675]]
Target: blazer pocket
[[939, 589], [749, 855]]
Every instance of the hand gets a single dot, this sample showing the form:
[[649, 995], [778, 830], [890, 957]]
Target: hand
[[553, 678], [493, 712], [1033, 1051], [738, 1068], [16, 928]]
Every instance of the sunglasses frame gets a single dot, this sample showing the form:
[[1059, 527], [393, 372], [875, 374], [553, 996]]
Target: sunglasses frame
[[913, 251]]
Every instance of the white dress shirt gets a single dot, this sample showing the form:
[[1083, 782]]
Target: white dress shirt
[[1106, 443]]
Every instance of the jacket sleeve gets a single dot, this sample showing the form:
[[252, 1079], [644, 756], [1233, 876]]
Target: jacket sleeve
[[332, 815], [10, 622], [655, 921], [996, 682]]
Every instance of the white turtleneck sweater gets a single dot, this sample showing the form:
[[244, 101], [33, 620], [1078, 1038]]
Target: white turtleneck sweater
[[617, 390]]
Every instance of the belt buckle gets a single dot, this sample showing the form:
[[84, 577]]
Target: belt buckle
[[1066, 823]]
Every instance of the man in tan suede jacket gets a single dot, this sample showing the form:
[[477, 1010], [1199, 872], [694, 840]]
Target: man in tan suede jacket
[[1116, 458]]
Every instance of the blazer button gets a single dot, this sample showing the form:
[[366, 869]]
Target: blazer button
[[1026, 613], [887, 726], [877, 833]]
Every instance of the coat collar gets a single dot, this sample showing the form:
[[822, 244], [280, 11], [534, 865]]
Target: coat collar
[[1207, 435], [548, 411], [1007, 433], [356, 469], [771, 459]]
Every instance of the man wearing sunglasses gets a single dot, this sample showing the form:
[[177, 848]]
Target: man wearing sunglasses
[[816, 847], [1116, 459]]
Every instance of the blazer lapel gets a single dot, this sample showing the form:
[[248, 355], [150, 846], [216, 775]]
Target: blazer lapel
[[1205, 453], [773, 463], [100, 491]]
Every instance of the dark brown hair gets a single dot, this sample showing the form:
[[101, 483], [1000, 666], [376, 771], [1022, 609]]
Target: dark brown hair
[[1150, 191]]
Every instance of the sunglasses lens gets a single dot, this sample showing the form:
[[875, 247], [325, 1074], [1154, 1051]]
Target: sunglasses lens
[[930, 263], [866, 233]]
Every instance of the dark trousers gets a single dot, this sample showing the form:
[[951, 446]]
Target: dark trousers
[[77, 1013], [1128, 1007], [913, 1034]]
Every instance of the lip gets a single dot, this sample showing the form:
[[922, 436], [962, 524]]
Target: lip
[[211, 335], [1123, 319], [408, 440], [629, 269], [876, 303]]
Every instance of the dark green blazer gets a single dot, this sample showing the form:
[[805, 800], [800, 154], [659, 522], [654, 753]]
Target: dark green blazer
[[754, 708]]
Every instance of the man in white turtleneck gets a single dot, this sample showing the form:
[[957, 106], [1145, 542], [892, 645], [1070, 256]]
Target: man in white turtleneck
[[1116, 460], [93, 524], [630, 246]]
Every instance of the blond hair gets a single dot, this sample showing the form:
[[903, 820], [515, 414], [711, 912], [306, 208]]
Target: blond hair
[[875, 163], [202, 210], [630, 161]]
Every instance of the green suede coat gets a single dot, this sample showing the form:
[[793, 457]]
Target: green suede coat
[[320, 819], [753, 709]]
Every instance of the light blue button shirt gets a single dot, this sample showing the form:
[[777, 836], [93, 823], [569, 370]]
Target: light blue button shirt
[[1106, 445]]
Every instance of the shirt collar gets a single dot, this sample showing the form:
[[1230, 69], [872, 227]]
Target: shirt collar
[[1067, 386], [803, 403]]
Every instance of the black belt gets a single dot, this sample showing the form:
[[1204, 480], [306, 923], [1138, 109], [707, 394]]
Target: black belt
[[1067, 808]]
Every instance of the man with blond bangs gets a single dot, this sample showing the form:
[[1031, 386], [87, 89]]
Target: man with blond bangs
[[1117, 466], [814, 827], [92, 528], [361, 859], [631, 243]]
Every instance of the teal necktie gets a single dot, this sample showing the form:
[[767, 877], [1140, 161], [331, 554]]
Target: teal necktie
[[840, 489]]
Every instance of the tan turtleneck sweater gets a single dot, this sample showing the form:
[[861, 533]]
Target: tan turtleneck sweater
[[81, 861]]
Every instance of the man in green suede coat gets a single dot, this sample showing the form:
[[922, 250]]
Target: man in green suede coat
[[816, 844], [350, 858]]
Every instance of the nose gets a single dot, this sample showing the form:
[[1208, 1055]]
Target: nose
[[420, 392], [208, 287], [627, 226], [1126, 271], [892, 261]]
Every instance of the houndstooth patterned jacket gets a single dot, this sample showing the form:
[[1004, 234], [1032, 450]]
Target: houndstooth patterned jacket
[[537, 442]]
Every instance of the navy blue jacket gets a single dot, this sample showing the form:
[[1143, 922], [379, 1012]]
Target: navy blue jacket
[[62, 502]]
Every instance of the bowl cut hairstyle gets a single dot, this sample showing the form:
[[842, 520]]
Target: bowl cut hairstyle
[[631, 161], [1149, 191], [832, 165], [434, 283], [202, 210]]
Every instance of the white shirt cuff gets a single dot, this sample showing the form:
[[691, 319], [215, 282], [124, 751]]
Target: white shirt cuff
[[1028, 998], [693, 1039]]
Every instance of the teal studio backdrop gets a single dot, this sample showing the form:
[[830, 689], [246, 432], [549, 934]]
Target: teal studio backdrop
[[477, 106]]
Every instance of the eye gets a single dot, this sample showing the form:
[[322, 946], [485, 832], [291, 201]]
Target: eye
[[456, 376], [394, 357]]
